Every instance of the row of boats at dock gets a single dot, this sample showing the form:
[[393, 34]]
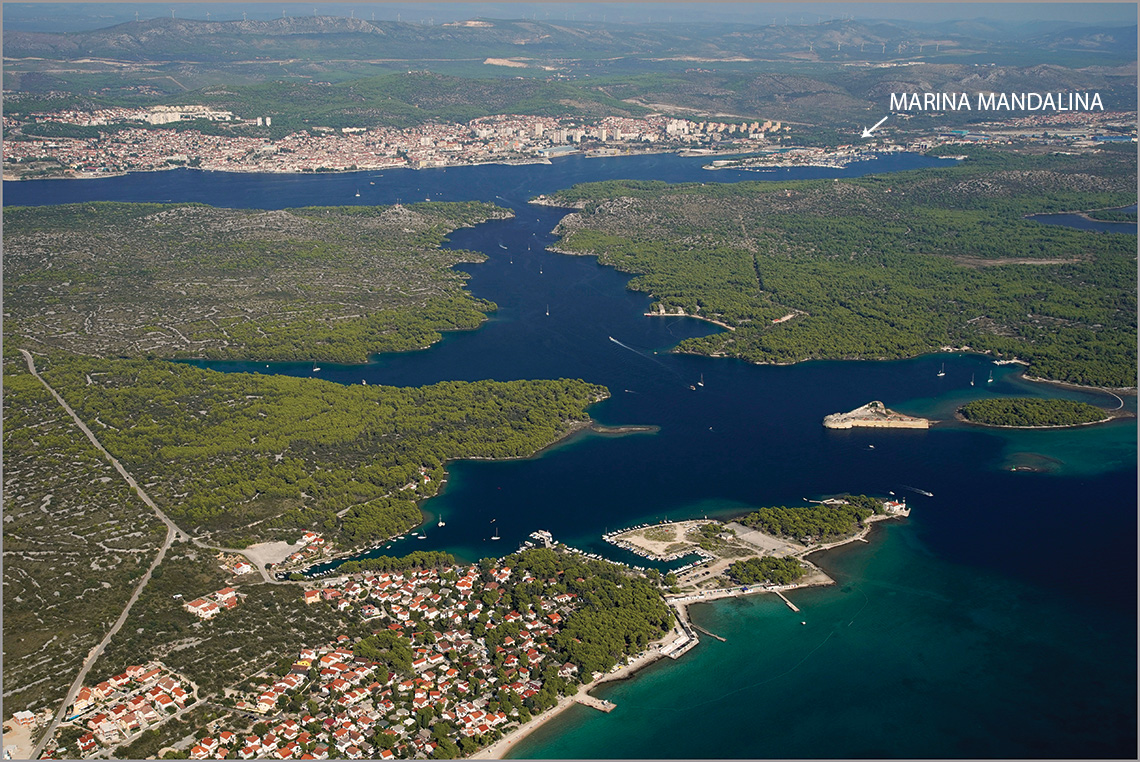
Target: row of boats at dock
[[599, 557], [548, 540], [614, 538]]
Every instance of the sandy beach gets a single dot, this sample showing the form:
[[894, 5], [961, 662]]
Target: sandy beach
[[654, 653], [500, 748]]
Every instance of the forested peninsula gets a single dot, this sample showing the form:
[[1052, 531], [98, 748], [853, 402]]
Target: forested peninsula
[[1113, 215], [259, 456], [814, 524], [101, 292], [885, 267], [326, 284]]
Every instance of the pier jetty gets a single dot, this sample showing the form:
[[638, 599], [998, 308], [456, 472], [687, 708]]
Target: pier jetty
[[874, 415], [698, 628], [784, 598], [595, 703]]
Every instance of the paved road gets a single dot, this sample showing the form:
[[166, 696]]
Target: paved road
[[98, 446], [172, 531]]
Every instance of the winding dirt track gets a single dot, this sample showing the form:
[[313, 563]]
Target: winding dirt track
[[172, 532]]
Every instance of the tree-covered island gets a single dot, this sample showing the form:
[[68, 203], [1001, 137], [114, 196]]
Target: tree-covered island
[[884, 267], [1031, 412]]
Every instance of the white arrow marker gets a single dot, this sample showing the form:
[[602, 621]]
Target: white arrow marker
[[868, 130]]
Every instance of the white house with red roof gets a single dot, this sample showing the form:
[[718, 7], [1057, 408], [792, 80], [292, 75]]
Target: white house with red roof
[[84, 700], [202, 608], [149, 676], [87, 743]]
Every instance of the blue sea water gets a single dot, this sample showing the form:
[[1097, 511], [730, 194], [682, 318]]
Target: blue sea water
[[999, 620], [1087, 223], [910, 656], [507, 184]]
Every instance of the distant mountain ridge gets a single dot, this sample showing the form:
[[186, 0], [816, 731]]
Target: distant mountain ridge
[[173, 39], [335, 71]]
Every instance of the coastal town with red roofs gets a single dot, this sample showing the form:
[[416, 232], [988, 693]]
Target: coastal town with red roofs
[[467, 686], [508, 138]]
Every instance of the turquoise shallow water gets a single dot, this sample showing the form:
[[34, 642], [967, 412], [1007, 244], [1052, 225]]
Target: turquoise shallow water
[[902, 659], [1075, 451]]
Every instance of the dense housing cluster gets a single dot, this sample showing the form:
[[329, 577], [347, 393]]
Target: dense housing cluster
[[109, 143], [121, 707], [448, 659]]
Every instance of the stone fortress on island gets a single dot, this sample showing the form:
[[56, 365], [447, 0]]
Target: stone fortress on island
[[874, 415]]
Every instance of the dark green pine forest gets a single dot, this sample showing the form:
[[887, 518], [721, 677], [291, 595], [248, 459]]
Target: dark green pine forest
[[1030, 411], [886, 267], [254, 455]]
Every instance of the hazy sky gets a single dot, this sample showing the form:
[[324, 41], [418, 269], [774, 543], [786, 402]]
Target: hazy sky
[[76, 16]]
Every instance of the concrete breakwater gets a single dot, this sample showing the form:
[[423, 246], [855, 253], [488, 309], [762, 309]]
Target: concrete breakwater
[[874, 415]]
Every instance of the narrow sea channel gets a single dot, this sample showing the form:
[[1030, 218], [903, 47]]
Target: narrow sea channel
[[999, 620]]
